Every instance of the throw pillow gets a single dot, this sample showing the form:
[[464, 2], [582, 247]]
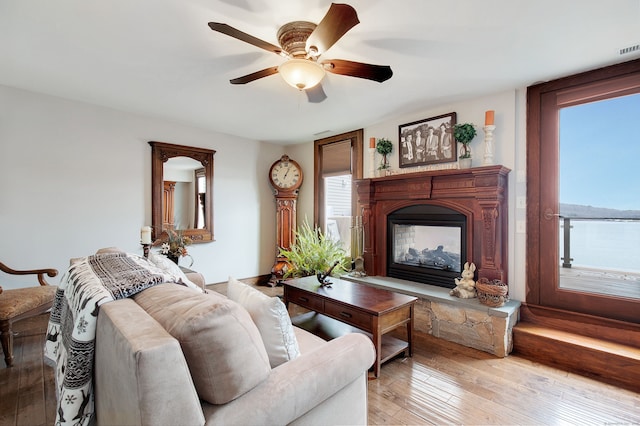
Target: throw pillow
[[220, 342], [171, 268], [272, 319]]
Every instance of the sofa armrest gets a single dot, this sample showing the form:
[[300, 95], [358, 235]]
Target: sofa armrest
[[197, 278], [297, 386], [141, 376]]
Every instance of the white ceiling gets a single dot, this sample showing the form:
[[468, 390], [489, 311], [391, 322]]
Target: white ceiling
[[159, 57]]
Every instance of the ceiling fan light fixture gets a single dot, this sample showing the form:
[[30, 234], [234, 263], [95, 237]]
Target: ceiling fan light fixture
[[301, 73]]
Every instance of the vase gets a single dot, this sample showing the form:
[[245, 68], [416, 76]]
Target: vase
[[465, 156], [465, 163], [174, 259]]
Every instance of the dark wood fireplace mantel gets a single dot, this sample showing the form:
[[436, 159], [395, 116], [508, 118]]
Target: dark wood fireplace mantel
[[479, 193]]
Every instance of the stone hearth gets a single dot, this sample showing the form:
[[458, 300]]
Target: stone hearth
[[463, 321]]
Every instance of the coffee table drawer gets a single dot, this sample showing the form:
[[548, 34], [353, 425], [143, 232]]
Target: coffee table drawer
[[349, 315], [304, 299]]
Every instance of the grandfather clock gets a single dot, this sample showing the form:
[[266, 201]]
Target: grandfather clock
[[285, 176]]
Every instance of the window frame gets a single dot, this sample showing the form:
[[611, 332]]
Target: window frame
[[543, 103], [356, 137]]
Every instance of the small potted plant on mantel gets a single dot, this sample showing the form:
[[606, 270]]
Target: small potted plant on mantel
[[464, 133], [384, 147]]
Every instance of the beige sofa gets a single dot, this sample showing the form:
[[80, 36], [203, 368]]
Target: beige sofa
[[214, 370]]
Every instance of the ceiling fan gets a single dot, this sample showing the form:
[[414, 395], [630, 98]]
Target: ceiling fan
[[302, 43]]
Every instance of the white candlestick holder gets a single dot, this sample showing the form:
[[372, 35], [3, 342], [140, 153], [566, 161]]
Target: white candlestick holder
[[488, 145], [372, 162], [145, 249]]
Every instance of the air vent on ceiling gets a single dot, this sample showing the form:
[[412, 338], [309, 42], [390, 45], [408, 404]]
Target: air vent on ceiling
[[630, 49]]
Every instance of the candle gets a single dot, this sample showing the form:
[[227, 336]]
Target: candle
[[488, 118], [372, 142], [145, 235]]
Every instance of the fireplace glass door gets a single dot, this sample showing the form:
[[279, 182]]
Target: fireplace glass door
[[426, 244]]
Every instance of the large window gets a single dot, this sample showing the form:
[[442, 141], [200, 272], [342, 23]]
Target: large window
[[338, 161], [583, 219], [599, 197], [338, 209]]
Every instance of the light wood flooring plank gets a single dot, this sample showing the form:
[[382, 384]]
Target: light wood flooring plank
[[31, 407], [9, 385]]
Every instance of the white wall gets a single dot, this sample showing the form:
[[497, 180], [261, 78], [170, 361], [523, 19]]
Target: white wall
[[509, 151], [303, 154], [76, 177]]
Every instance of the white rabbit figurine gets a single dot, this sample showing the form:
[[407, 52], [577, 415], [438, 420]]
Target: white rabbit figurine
[[465, 287]]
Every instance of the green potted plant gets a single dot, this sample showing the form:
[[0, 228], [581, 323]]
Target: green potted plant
[[384, 147], [464, 133], [314, 252]]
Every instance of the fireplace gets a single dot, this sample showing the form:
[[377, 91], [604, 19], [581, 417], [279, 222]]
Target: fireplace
[[426, 244], [469, 203]]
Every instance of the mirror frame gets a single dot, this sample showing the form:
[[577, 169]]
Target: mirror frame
[[160, 153]]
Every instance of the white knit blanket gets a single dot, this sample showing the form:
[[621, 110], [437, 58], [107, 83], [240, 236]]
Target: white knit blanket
[[71, 332]]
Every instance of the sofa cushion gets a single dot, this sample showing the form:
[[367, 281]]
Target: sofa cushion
[[307, 342], [222, 346], [272, 319]]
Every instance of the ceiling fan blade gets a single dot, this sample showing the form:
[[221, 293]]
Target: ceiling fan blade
[[377, 73], [254, 76], [316, 94], [247, 38], [339, 19]]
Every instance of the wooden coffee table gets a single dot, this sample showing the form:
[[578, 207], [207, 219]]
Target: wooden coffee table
[[346, 304]]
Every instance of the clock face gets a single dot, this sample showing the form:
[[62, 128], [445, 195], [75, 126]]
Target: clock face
[[285, 174]]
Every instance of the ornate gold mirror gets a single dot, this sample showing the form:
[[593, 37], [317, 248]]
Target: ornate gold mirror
[[182, 191]]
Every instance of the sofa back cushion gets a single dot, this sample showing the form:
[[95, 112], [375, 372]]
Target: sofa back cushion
[[222, 346]]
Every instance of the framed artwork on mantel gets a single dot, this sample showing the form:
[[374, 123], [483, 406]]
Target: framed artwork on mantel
[[428, 141]]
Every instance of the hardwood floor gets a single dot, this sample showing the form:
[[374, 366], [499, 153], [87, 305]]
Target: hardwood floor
[[27, 390], [443, 383]]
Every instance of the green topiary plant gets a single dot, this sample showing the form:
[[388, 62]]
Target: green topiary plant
[[464, 133], [384, 147], [313, 253]]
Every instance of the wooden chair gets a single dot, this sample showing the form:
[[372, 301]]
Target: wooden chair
[[21, 303]]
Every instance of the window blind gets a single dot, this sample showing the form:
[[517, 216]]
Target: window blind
[[336, 158]]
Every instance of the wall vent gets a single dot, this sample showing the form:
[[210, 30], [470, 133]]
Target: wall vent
[[630, 49]]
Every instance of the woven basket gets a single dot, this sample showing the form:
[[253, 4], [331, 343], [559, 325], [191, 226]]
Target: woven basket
[[492, 293]]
